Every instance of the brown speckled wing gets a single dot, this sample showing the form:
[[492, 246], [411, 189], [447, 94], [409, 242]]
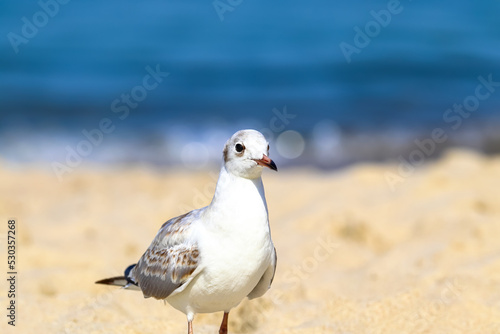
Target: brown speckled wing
[[170, 260]]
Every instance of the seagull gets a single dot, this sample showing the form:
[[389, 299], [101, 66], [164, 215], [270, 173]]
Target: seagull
[[208, 260]]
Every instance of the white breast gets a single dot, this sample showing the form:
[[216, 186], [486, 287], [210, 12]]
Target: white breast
[[235, 249]]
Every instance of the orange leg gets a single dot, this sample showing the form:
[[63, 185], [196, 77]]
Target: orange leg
[[190, 327], [223, 325]]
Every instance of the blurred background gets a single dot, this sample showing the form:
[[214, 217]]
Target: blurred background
[[139, 97], [328, 82]]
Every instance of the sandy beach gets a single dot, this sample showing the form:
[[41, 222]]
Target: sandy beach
[[354, 254]]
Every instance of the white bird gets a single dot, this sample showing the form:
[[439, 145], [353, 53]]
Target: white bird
[[210, 259]]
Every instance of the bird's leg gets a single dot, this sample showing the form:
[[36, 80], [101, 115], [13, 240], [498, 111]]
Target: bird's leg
[[223, 325], [190, 327]]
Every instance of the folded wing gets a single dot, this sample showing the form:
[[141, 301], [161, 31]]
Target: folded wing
[[171, 260]]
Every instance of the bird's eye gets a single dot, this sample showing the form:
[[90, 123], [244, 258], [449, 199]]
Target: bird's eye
[[239, 148], [267, 148]]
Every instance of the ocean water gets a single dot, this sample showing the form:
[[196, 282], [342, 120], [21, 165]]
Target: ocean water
[[329, 82]]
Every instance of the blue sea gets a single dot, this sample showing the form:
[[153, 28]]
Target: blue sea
[[167, 82]]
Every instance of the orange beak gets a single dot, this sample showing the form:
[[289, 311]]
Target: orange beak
[[266, 162]]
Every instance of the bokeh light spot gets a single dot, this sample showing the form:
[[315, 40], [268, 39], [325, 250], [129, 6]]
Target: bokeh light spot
[[290, 144]]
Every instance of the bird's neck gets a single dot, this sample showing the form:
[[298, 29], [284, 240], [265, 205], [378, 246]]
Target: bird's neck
[[238, 195]]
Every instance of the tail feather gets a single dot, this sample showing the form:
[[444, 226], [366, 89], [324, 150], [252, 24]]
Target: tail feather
[[123, 281]]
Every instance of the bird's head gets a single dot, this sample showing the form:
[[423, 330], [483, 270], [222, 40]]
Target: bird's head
[[246, 153]]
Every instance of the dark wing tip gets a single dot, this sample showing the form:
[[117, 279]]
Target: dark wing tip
[[112, 280], [119, 280], [128, 270]]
